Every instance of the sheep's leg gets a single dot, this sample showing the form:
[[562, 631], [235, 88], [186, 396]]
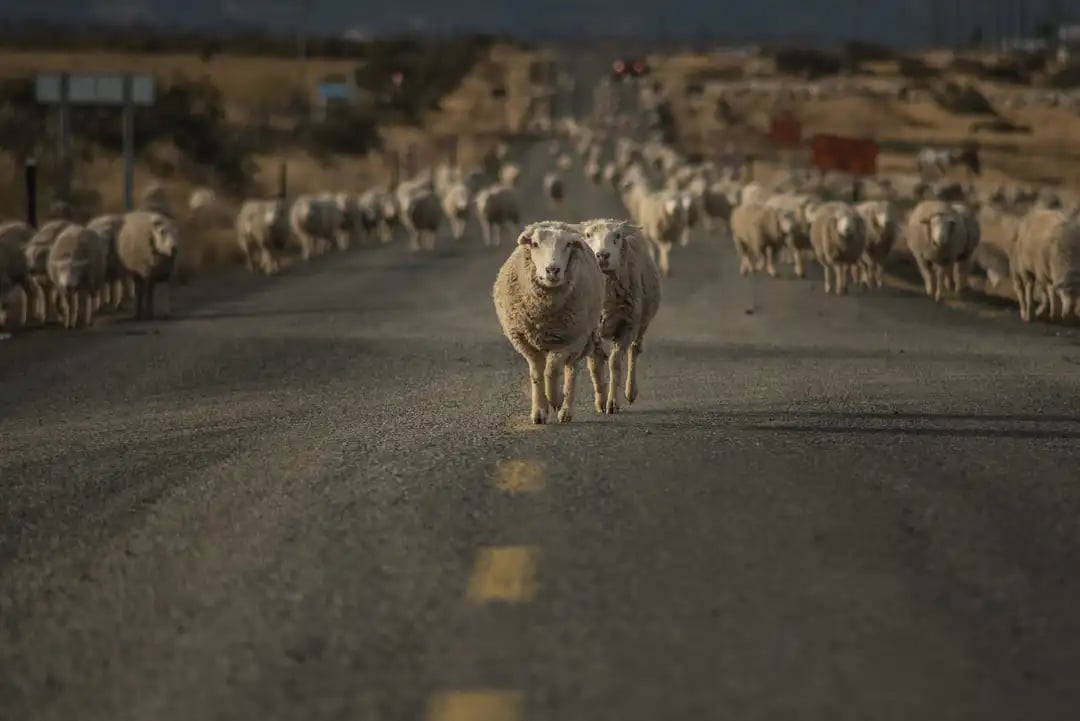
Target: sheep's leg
[[939, 282], [828, 279], [105, 295], [1029, 297], [536, 361], [71, 296], [552, 389], [796, 257], [31, 293], [566, 409], [485, 233], [1051, 302], [1020, 288], [140, 299], [958, 279], [927, 276], [665, 264], [841, 272], [149, 300], [879, 274], [632, 353], [770, 265], [596, 374], [86, 306], [618, 349]]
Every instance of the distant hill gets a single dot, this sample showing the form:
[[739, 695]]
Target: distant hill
[[893, 22]]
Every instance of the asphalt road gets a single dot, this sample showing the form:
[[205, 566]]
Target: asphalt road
[[318, 497]]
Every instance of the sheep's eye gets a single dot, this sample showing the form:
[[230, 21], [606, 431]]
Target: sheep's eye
[[618, 236]]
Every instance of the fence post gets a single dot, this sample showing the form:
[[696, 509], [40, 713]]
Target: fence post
[[283, 181], [31, 191]]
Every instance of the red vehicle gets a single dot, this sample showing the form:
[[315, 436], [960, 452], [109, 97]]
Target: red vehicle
[[629, 68]]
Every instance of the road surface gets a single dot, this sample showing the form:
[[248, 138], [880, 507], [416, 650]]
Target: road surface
[[319, 497]]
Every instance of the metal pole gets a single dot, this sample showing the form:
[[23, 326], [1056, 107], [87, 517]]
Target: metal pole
[[64, 140], [283, 181], [129, 145], [31, 192]]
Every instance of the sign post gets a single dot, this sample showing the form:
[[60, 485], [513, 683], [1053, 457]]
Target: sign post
[[124, 91], [31, 192]]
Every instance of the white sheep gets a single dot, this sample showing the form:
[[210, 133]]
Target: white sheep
[[456, 201], [496, 208], [15, 272], [147, 246], [797, 239], [957, 282], [108, 229], [553, 187], [37, 261], [315, 222], [936, 237], [262, 231], [509, 174], [632, 293], [421, 214], [662, 216], [77, 265], [882, 228], [207, 209], [156, 199], [759, 231], [1047, 258], [838, 237], [548, 298]]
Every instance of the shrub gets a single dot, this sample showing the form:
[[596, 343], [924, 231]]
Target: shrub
[[807, 62], [963, 99]]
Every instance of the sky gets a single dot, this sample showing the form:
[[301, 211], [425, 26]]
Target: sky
[[894, 22]]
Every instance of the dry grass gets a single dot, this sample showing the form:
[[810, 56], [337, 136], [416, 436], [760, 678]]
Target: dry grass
[[1048, 155]]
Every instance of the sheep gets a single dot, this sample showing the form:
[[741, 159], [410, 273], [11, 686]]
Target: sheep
[[421, 213], [496, 207], [455, 205], [632, 293], [315, 223], [77, 267], [759, 231], [838, 237], [553, 188], [715, 206], [37, 261], [993, 261], [593, 171], [108, 229], [377, 213], [564, 162], [662, 216], [936, 237], [548, 298], [147, 247], [349, 214], [207, 209], [611, 174], [509, 174], [1047, 258], [15, 272], [155, 199], [882, 226], [957, 282], [797, 240], [262, 230]]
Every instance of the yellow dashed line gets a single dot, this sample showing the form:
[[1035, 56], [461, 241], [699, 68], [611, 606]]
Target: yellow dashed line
[[520, 476], [506, 573], [476, 706]]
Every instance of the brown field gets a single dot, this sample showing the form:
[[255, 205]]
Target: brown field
[[1046, 156]]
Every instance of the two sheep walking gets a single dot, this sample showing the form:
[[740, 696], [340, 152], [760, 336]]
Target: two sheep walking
[[565, 290]]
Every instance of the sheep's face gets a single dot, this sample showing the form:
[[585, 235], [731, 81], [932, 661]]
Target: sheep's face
[[163, 237], [845, 225], [608, 242], [672, 206], [550, 249], [881, 219], [69, 272], [787, 221], [941, 228]]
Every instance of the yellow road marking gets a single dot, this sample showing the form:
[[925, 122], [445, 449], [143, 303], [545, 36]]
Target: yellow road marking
[[476, 706], [520, 476], [504, 573]]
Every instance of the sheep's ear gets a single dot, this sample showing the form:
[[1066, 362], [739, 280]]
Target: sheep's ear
[[525, 238]]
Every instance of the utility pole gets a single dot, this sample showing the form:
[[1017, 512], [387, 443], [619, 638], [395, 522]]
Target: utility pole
[[304, 9]]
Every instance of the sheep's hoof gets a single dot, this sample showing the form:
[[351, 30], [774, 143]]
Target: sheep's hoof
[[539, 416], [631, 394], [565, 414], [612, 407], [599, 404]]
